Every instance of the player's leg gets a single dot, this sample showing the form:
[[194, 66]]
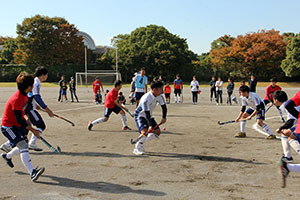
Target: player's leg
[[107, 112], [76, 95], [260, 121], [175, 95], [117, 110], [179, 95], [155, 133], [72, 99], [285, 145], [142, 126], [294, 140], [6, 146], [36, 119], [221, 98], [211, 94], [242, 132]]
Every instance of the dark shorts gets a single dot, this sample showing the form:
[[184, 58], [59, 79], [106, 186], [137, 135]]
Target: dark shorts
[[259, 115], [177, 91], [34, 117], [297, 135], [108, 111], [142, 123], [64, 92], [138, 95], [167, 95], [14, 134]]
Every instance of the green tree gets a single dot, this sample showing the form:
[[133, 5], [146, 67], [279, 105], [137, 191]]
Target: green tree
[[291, 64], [6, 56], [48, 41]]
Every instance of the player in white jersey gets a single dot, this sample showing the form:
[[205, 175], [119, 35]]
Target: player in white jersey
[[287, 130], [143, 115], [256, 107]]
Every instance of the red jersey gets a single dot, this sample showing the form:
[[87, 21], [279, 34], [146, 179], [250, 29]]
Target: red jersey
[[270, 91], [167, 89], [110, 98], [96, 85], [17, 101], [296, 100]]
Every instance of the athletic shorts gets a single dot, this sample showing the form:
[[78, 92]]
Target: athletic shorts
[[108, 111], [259, 115], [138, 95], [297, 135], [167, 95], [64, 92], [14, 134], [35, 118], [177, 91], [142, 123]]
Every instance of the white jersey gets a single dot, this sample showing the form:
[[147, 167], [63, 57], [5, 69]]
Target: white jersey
[[252, 101], [220, 84], [36, 90], [195, 86], [147, 103], [289, 115]]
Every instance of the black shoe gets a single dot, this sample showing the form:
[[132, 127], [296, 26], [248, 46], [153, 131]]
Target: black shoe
[[8, 161], [36, 173], [90, 126], [287, 159]]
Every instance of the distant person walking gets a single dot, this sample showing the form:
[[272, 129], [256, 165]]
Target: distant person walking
[[212, 84], [252, 83]]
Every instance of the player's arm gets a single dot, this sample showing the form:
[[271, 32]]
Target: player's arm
[[241, 113], [164, 113], [290, 107], [39, 100], [117, 102], [288, 124], [22, 121]]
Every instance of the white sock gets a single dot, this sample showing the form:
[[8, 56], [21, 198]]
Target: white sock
[[151, 136], [97, 121], [26, 160], [7, 143], [175, 97], [141, 141], [243, 125], [286, 146], [179, 98], [295, 145], [124, 120], [267, 129], [34, 138], [293, 167], [13, 152]]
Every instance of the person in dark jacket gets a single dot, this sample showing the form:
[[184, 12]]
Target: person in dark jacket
[[72, 87], [252, 84], [212, 84], [230, 88]]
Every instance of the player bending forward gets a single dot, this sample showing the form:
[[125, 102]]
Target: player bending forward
[[112, 104], [143, 116], [15, 128], [294, 134], [257, 107]]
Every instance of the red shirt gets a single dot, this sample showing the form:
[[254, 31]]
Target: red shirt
[[96, 85], [110, 98], [296, 100], [17, 101], [167, 89], [270, 91]]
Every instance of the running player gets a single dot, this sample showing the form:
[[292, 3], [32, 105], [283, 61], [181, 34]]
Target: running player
[[96, 86], [112, 104], [269, 95], [280, 99], [257, 107], [284, 165], [139, 81], [178, 85], [143, 116], [15, 128]]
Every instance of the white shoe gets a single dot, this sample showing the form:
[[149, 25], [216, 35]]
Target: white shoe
[[5, 148], [139, 149], [34, 147], [137, 152]]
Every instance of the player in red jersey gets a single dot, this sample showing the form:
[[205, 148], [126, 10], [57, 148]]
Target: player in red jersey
[[96, 86], [112, 104], [269, 95], [15, 127]]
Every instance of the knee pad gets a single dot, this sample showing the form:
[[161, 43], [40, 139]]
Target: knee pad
[[22, 145]]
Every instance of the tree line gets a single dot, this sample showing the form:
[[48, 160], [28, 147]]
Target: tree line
[[53, 42]]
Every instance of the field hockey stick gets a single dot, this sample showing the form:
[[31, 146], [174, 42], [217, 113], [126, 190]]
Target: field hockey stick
[[58, 150], [60, 117], [226, 122], [128, 112], [132, 141], [268, 108]]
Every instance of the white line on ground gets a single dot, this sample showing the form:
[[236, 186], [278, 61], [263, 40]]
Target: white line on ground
[[91, 106]]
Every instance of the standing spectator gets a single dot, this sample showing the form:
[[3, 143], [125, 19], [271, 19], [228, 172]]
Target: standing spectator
[[168, 93], [64, 88], [96, 86], [140, 82], [195, 89], [72, 87], [219, 90], [230, 88], [212, 84], [178, 85], [252, 83], [62, 78]]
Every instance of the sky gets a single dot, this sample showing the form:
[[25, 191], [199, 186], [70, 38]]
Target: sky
[[198, 21]]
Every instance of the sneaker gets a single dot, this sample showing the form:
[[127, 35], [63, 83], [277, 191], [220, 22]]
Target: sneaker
[[282, 119], [284, 171], [34, 147], [287, 159], [126, 128], [138, 152], [240, 135], [271, 137], [36, 173], [139, 149], [7, 160], [90, 125], [5, 148]]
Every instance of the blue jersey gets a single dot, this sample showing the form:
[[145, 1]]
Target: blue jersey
[[140, 82]]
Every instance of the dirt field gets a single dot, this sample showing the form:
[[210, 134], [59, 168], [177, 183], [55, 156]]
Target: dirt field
[[194, 158]]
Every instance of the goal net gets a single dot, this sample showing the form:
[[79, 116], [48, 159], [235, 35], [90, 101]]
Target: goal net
[[107, 77]]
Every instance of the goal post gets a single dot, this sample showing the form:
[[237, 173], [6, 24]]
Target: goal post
[[106, 78]]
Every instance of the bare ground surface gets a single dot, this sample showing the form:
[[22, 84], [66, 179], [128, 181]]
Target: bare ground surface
[[194, 158]]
